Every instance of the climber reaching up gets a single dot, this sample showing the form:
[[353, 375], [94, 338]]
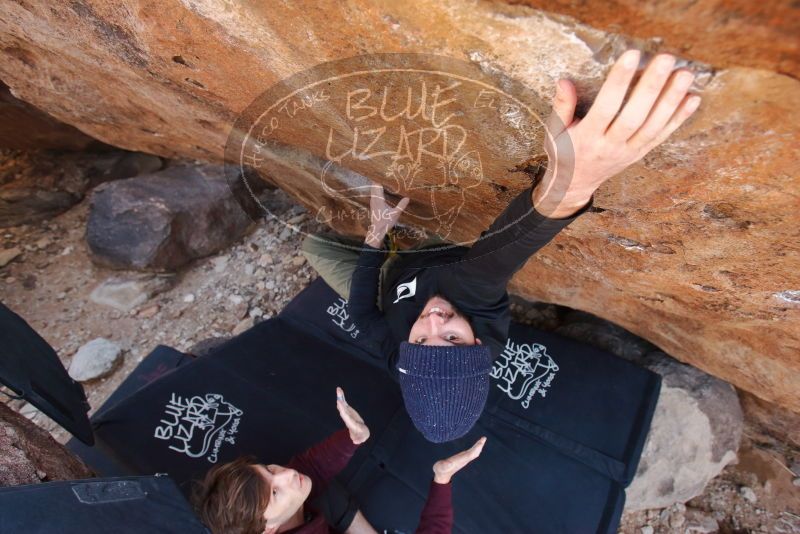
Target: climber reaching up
[[441, 313]]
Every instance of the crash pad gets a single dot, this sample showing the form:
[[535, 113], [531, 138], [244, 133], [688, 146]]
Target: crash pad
[[31, 368], [565, 422], [125, 505]]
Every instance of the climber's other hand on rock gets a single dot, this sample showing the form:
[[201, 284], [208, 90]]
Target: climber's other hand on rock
[[382, 217]]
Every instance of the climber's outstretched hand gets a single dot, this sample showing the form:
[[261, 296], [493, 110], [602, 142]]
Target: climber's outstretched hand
[[584, 153], [382, 217]]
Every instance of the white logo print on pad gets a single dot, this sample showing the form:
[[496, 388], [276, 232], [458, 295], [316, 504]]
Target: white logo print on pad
[[407, 290]]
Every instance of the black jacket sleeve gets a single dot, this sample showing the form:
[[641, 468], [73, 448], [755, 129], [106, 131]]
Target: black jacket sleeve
[[363, 302], [504, 248]]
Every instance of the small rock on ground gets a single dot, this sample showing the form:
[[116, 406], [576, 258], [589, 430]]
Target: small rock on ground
[[700, 523], [748, 494], [124, 293], [243, 325], [8, 255], [95, 359]]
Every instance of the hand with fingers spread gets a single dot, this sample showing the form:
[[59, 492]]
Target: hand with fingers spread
[[584, 153], [359, 433], [382, 217], [443, 470]]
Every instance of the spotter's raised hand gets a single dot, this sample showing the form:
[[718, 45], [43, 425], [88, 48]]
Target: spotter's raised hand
[[359, 433]]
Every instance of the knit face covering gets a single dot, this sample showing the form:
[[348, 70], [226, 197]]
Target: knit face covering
[[444, 387]]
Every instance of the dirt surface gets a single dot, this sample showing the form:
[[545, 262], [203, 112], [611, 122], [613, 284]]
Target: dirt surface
[[754, 496], [50, 282], [49, 285]]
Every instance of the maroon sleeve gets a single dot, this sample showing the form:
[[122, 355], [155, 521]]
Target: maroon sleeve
[[437, 516], [325, 460]]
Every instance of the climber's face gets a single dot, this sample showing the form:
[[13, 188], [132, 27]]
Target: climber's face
[[288, 490], [440, 323]]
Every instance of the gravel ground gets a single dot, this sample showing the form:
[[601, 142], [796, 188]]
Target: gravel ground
[[49, 284]]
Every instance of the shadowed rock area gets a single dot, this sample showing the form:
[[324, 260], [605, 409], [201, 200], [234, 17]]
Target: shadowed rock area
[[25, 127], [36, 185], [694, 248]]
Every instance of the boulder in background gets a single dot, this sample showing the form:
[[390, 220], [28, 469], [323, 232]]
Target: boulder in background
[[695, 433], [164, 220]]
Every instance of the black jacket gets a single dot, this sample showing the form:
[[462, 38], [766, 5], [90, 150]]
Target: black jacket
[[474, 279]]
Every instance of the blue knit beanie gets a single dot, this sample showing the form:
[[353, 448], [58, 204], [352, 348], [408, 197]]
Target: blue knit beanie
[[444, 387]]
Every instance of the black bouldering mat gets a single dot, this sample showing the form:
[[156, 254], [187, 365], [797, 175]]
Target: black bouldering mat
[[130, 505], [270, 391], [566, 423], [159, 362], [30, 367], [587, 403]]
